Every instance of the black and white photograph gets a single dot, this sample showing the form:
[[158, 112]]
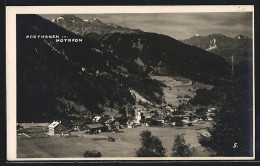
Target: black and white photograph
[[130, 83]]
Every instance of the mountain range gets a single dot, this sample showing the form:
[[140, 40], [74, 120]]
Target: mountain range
[[93, 27], [58, 80], [240, 47]]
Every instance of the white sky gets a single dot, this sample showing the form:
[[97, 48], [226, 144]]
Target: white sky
[[179, 25]]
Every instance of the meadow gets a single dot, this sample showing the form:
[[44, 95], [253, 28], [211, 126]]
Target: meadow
[[176, 88], [126, 144]]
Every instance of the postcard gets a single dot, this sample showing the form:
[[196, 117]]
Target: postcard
[[130, 83]]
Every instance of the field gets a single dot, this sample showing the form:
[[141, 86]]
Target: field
[[126, 144], [178, 87]]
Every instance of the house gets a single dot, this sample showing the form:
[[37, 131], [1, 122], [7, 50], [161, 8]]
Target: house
[[130, 124], [112, 123], [147, 124], [209, 118], [78, 126], [95, 128], [56, 128], [160, 120], [195, 120], [96, 119], [153, 112], [109, 123], [117, 125], [171, 109], [186, 122], [65, 133], [173, 123], [19, 127], [138, 117], [167, 119]]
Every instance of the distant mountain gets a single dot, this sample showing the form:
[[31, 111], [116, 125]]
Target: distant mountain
[[241, 37], [73, 79], [92, 27], [240, 47]]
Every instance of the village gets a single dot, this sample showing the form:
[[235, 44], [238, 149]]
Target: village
[[143, 113], [150, 118], [114, 125], [80, 136]]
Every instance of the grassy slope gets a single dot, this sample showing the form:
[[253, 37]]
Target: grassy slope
[[57, 147], [176, 88]]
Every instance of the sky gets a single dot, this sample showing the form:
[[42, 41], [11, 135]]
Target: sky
[[178, 25]]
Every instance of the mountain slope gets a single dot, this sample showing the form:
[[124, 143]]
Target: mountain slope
[[160, 54], [59, 80], [240, 47]]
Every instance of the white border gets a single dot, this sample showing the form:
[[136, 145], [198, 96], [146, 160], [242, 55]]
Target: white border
[[11, 12]]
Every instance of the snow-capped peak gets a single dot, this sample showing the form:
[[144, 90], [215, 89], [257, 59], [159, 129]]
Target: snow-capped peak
[[212, 45], [57, 19], [197, 34], [60, 18], [94, 20], [111, 24]]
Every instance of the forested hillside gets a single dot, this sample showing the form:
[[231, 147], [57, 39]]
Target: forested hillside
[[73, 79]]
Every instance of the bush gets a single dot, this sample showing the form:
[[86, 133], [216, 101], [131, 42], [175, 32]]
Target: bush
[[178, 121], [92, 153], [153, 122], [111, 139], [202, 112]]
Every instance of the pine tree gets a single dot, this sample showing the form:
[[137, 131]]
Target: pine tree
[[180, 148], [151, 146], [231, 132]]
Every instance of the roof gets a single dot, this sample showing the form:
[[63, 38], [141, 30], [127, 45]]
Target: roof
[[153, 110], [116, 122], [93, 126], [110, 121], [119, 116], [66, 132], [146, 113], [160, 118], [78, 123], [54, 124], [19, 126]]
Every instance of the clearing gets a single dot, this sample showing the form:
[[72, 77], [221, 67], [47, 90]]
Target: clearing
[[179, 90]]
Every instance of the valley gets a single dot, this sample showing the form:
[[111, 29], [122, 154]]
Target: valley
[[114, 83]]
